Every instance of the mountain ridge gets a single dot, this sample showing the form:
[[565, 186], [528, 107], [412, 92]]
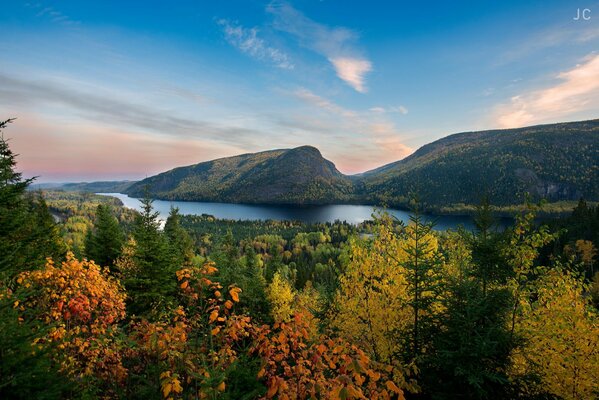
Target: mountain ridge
[[552, 161]]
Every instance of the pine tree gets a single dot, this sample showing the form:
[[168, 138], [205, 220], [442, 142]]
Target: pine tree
[[104, 241]]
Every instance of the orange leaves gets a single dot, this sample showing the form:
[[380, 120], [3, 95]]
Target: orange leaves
[[393, 387], [213, 316], [234, 293], [84, 303], [297, 368]]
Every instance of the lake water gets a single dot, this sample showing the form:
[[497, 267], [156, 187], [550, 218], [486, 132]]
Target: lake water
[[328, 213]]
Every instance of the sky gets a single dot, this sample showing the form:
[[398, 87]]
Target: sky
[[111, 90]]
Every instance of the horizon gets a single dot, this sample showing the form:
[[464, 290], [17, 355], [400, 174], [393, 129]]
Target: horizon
[[105, 92], [306, 145]]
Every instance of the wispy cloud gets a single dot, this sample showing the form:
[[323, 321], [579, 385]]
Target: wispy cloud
[[382, 110], [336, 44], [104, 109], [576, 91], [375, 139], [247, 40], [551, 37], [52, 14]]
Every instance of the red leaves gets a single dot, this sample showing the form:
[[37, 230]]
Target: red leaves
[[326, 368]]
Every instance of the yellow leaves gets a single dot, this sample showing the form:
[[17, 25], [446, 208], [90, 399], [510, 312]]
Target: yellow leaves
[[170, 384], [84, 303], [560, 331], [234, 293], [280, 294]]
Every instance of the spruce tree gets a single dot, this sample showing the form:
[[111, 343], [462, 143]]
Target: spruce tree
[[103, 243], [179, 242], [28, 233], [423, 282], [152, 288]]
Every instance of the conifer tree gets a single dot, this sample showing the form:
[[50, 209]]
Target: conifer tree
[[28, 233], [152, 288], [422, 273], [104, 241], [179, 241]]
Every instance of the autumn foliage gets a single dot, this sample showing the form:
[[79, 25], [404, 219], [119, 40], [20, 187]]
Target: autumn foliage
[[82, 305], [297, 367]]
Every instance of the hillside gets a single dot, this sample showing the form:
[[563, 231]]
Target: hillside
[[287, 176], [555, 162], [93, 187]]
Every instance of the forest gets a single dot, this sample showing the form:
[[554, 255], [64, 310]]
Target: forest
[[100, 301]]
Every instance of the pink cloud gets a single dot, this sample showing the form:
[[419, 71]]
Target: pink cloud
[[577, 90]]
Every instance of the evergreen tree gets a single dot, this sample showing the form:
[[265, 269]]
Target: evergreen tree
[[103, 243], [179, 241], [152, 288], [470, 350], [490, 267], [28, 233], [422, 267]]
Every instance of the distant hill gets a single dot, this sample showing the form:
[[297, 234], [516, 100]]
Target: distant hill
[[555, 162], [286, 176], [93, 187]]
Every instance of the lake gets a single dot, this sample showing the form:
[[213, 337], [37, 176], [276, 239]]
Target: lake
[[327, 213]]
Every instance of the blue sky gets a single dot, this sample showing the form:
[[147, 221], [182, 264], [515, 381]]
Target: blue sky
[[113, 90]]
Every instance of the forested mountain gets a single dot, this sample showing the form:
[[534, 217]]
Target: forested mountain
[[555, 162], [288, 176]]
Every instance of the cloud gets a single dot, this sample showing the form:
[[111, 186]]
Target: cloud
[[109, 109], [382, 110], [554, 36], [352, 71], [336, 44], [368, 140], [577, 91], [52, 14], [247, 40]]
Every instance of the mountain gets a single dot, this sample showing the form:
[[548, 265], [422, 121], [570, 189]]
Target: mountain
[[555, 162], [286, 176]]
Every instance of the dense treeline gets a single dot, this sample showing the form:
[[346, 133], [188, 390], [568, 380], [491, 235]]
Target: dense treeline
[[201, 308]]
